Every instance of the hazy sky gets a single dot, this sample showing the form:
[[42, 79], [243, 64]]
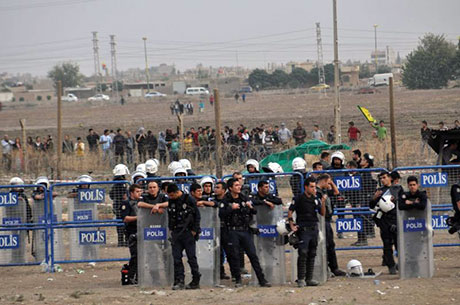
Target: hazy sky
[[36, 34]]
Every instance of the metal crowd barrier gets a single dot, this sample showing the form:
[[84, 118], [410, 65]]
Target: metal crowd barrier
[[24, 227]]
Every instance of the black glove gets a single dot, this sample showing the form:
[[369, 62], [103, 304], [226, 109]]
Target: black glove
[[393, 228]]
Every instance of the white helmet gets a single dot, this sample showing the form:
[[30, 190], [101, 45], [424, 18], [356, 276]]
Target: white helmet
[[173, 166], [385, 203], [140, 174], [141, 168], [207, 179], [281, 227], [339, 155], [151, 166], [299, 164], [156, 161], [253, 163], [275, 167], [185, 163], [85, 178], [43, 180], [355, 268], [16, 181], [180, 170], [120, 170]]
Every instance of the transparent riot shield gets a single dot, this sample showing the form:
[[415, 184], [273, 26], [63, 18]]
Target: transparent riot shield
[[12, 243], [38, 237], [270, 245], [415, 243], [81, 212], [154, 259], [320, 270], [208, 247]]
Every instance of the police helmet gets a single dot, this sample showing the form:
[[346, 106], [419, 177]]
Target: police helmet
[[299, 164], [205, 180], [179, 171], [339, 155], [273, 167], [253, 163], [43, 180], [281, 227], [385, 203], [138, 174], [354, 268], [141, 168], [185, 163], [85, 178], [16, 181], [120, 170], [173, 166], [151, 167]]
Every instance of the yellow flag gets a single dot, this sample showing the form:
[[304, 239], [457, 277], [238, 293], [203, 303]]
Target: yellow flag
[[367, 114]]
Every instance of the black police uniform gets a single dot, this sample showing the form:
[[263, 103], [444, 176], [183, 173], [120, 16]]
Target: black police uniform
[[159, 198], [129, 208], [118, 193], [225, 250], [454, 221], [419, 205], [258, 199], [387, 223], [306, 209], [183, 218], [240, 235], [330, 244]]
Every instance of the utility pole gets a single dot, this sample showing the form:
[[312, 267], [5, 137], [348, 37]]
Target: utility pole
[[114, 65], [394, 159], [319, 47], [337, 119], [219, 161], [97, 66], [375, 50], [147, 74], [59, 129]]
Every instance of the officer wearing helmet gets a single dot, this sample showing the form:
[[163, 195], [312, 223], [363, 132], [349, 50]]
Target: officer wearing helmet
[[188, 166], [275, 168], [138, 175], [384, 201], [207, 185], [151, 168], [173, 166], [337, 163], [22, 195], [306, 206], [141, 168], [39, 192], [82, 179], [252, 166], [118, 194], [237, 213], [299, 165], [263, 196]]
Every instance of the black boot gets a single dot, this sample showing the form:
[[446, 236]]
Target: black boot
[[195, 283], [301, 267], [178, 285], [309, 274]]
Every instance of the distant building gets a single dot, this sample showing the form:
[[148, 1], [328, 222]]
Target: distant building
[[349, 76], [385, 57], [307, 66]]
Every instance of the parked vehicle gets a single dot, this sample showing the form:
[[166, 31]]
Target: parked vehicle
[[246, 89], [99, 98], [69, 98], [382, 79], [197, 91], [153, 94], [320, 87]]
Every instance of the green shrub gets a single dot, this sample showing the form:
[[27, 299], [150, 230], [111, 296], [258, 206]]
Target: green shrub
[[39, 98], [48, 97], [21, 99]]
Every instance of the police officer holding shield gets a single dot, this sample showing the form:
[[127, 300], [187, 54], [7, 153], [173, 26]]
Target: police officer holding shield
[[414, 198], [237, 213], [384, 201], [184, 223], [306, 206], [454, 221], [128, 211], [263, 196]]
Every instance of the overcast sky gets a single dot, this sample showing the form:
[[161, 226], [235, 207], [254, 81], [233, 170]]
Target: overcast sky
[[36, 34]]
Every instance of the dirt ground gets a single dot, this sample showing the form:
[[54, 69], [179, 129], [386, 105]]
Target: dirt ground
[[100, 284]]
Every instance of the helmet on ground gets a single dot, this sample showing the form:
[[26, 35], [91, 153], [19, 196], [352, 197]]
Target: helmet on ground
[[385, 203], [141, 168], [43, 180], [173, 166], [16, 181], [205, 180], [274, 167], [281, 227], [339, 155], [139, 175], [151, 166], [185, 163], [299, 164], [179, 171], [354, 268], [85, 178], [253, 163], [120, 170]]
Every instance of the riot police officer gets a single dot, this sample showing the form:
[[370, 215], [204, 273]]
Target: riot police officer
[[237, 213], [414, 198], [263, 196], [384, 201], [118, 195], [299, 165], [207, 184], [454, 221], [184, 224], [153, 199], [219, 195], [128, 211], [306, 205]]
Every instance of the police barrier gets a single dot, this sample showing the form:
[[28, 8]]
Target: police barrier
[[86, 219], [207, 247], [270, 245], [17, 225], [415, 243]]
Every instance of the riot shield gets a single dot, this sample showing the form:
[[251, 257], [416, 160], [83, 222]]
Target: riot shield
[[208, 247], [78, 211], [12, 243], [415, 243], [155, 263], [270, 245], [38, 237]]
